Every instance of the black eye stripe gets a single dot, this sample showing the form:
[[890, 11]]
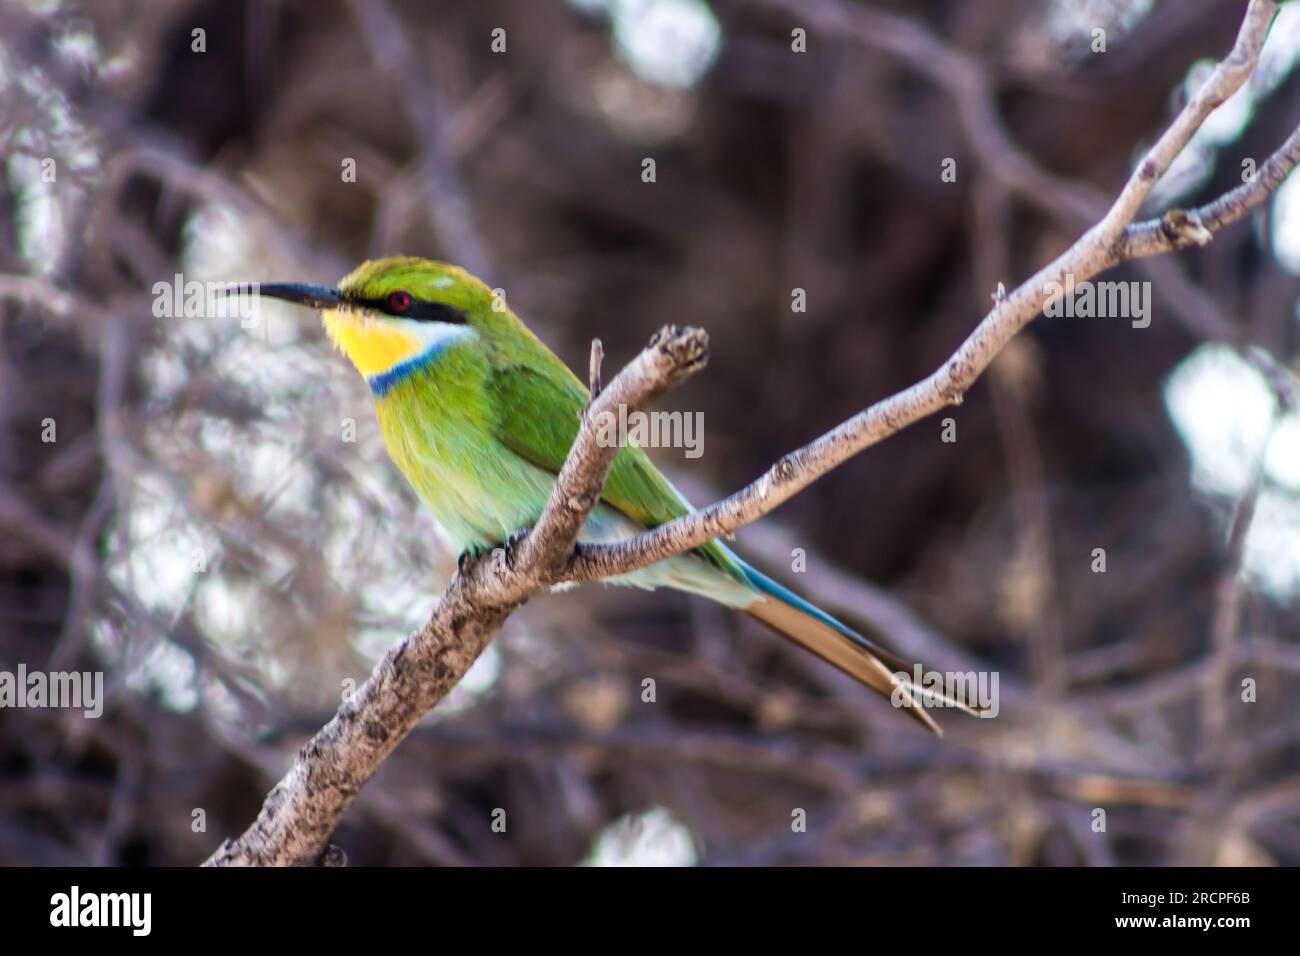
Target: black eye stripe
[[419, 311]]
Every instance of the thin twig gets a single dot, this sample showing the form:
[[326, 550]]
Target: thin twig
[[593, 367]]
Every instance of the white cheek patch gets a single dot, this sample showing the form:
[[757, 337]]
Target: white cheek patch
[[435, 336]]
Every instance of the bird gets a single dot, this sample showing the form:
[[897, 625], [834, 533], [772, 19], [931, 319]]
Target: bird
[[478, 415]]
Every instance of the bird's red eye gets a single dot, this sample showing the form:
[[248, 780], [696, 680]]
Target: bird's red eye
[[399, 301]]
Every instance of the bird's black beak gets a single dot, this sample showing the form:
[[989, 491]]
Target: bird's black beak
[[314, 296]]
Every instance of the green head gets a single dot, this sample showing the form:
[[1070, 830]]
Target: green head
[[431, 288], [388, 312]]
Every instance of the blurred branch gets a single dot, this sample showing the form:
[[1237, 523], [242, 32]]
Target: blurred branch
[[428, 113], [40, 294], [1216, 689], [964, 78]]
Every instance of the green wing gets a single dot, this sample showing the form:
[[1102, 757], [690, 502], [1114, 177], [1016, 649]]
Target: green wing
[[538, 421]]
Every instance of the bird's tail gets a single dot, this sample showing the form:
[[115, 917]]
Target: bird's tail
[[804, 623]]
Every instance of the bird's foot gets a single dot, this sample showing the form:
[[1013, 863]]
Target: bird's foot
[[502, 555], [469, 556], [513, 542]]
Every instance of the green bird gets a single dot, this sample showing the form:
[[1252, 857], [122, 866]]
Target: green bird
[[479, 416]]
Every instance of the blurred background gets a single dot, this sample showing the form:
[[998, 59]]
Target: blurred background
[[213, 524]]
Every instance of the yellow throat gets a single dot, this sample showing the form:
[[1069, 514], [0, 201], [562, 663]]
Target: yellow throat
[[373, 346]]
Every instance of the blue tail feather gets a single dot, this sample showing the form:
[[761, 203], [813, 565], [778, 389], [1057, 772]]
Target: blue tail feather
[[783, 594]]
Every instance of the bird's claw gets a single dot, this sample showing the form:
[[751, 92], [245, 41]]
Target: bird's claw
[[468, 557], [513, 542], [503, 554]]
